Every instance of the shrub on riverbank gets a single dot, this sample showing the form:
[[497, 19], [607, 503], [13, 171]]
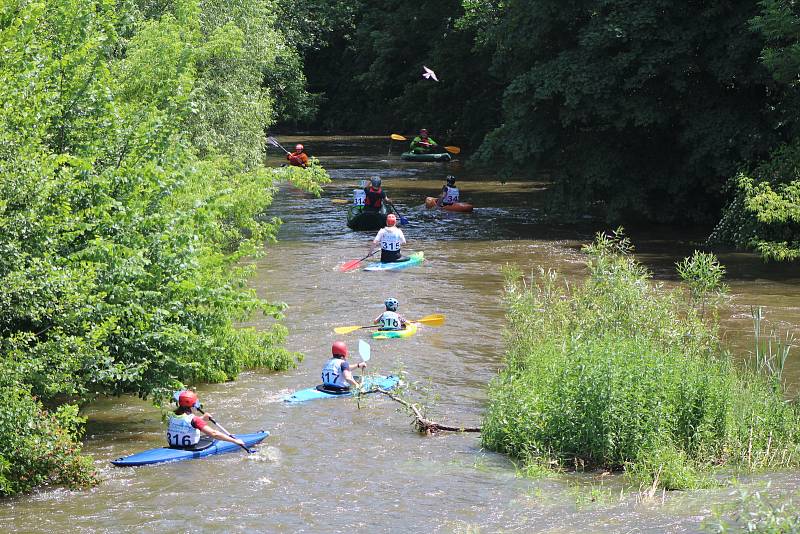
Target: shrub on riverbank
[[616, 372], [131, 186]]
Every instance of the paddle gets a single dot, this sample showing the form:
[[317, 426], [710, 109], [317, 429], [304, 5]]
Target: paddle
[[352, 264], [436, 319], [451, 149], [274, 142], [249, 451], [365, 352], [340, 201], [403, 220]]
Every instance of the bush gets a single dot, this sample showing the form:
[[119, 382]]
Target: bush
[[620, 374], [38, 447]]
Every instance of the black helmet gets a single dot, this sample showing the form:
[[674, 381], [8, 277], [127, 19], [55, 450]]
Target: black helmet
[[451, 180], [376, 181]]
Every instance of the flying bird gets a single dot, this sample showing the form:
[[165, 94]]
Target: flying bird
[[428, 74]]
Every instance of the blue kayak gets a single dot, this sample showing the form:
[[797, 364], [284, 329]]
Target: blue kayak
[[165, 454], [370, 383], [413, 260]]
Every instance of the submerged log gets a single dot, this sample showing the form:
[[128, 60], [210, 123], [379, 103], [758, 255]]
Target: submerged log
[[421, 423]]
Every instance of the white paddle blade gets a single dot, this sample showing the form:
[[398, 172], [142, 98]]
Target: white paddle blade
[[363, 349]]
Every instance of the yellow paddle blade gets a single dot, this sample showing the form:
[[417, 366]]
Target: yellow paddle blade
[[453, 149], [340, 201], [398, 137], [347, 329], [437, 319]]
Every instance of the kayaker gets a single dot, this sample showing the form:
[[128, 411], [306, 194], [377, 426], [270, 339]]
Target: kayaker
[[390, 238], [390, 319], [374, 195], [184, 428], [298, 158], [449, 194], [423, 144], [336, 372]]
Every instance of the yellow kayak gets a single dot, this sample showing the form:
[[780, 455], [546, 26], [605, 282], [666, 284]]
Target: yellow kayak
[[408, 331]]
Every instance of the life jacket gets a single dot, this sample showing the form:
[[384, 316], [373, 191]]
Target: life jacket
[[358, 197], [390, 321], [180, 432], [373, 197], [451, 195], [332, 374], [298, 159], [390, 239]]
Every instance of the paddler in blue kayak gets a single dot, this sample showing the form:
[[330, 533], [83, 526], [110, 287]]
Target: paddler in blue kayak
[[390, 238], [423, 144], [390, 319], [336, 374], [449, 194], [184, 428]]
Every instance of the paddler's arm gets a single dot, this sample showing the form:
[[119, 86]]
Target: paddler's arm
[[208, 431], [375, 241], [348, 376]]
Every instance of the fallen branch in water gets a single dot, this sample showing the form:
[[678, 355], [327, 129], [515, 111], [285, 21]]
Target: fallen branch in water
[[423, 424]]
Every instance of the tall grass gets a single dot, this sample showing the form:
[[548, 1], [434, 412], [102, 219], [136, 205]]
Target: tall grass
[[619, 373]]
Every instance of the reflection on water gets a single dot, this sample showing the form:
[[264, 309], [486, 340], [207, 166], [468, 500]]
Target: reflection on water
[[339, 467]]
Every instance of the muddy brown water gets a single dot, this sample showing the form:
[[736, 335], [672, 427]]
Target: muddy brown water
[[337, 466]]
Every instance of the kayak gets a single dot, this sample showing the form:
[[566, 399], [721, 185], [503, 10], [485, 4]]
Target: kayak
[[360, 219], [165, 454], [462, 207], [371, 382], [408, 331], [410, 156], [413, 260]]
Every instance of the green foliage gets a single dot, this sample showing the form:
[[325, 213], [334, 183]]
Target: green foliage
[[368, 66], [703, 274], [130, 189], [758, 511], [37, 447], [616, 372], [639, 108]]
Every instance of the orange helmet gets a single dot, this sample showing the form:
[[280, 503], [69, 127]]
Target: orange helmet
[[391, 219]]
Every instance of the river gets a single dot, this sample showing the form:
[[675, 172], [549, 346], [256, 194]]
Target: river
[[342, 466]]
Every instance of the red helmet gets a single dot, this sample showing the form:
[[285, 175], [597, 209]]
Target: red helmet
[[391, 219], [298, 146], [187, 399], [423, 131], [339, 348]]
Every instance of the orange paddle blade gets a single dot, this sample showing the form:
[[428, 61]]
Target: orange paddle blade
[[350, 265], [453, 149], [398, 137]]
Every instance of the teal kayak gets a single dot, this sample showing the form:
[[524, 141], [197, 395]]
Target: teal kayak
[[413, 260], [441, 157], [166, 454], [371, 383]]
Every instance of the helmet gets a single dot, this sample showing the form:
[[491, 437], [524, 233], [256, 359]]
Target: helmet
[[423, 131], [391, 304], [451, 180], [376, 181], [339, 348], [391, 219], [298, 146], [188, 399]]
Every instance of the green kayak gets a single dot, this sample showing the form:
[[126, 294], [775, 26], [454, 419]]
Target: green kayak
[[359, 218], [410, 156]]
